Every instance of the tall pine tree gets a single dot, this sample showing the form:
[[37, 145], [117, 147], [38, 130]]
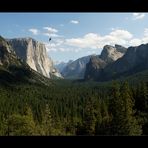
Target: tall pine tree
[[20, 125], [89, 122], [47, 121], [124, 121]]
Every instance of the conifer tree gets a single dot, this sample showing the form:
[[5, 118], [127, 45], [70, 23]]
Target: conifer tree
[[89, 118], [123, 121], [115, 108], [142, 97], [47, 121], [19, 125], [98, 128], [130, 125], [105, 124], [30, 120]]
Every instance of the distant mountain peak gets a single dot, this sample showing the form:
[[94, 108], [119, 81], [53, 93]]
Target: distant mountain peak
[[75, 69]]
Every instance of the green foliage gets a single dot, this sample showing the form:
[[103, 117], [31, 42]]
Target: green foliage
[[20, 125], [89, 118], [106, 119], [73, 108], [47, 121], [124, 121], [142, 97]]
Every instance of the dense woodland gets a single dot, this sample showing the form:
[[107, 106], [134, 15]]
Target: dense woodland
[[74, 108]]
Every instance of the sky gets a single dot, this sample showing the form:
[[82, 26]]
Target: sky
[[74, 35]]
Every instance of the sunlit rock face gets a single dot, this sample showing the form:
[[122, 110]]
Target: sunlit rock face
[[35, 55]]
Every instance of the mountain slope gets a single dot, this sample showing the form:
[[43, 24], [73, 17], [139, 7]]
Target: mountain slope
[[96, 64], [14, 70], [76, 69], [60, 66], [135, 60]]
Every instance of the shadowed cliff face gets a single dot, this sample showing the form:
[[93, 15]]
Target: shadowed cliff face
[[7, 55], [96, 65], [134, 60], [75, 69], [35, 55], [60, 66]]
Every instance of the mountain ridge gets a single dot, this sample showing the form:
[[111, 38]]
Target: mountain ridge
[[75, 69], [134, 60]]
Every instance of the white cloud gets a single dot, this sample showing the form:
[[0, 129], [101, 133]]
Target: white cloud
[[95, 41], [137, 16], [51, 34], [124, 34], [89, 40], [90, 52], [59, 46], [50, 47], [34, 31], [146, 32], [145, 40], [142, 40], [74, 22], [135, 42], [50, 29], [92, 42], [67, 49], [55, 45]]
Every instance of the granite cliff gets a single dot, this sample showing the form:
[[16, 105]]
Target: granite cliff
[[35, 55]]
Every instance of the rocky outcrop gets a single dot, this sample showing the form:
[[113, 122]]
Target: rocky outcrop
[[120, 48], [135, 60], [109, 54], [7, 55], [15, 70], [76, 69], [34, 54]]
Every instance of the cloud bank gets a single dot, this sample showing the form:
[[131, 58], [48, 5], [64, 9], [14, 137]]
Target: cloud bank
[[138, 16]]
